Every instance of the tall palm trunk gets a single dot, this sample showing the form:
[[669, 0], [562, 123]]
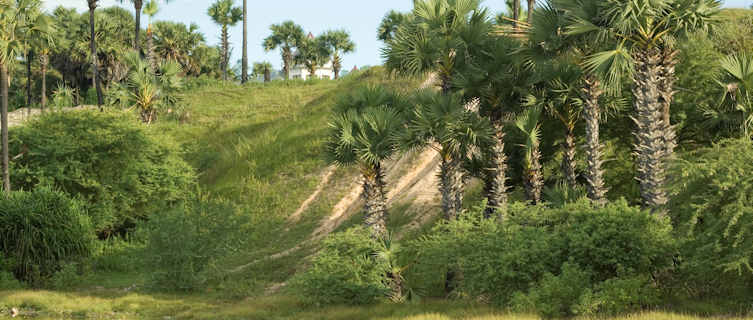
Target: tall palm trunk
[[44, 60], [4, 124], [666, 87], [495, 187], [93, 48], [568, 159], [531, 5], [137, 4], [150, 55], [267, 75], [29, 58], [451, 187], [533, 179], [515, 13], [592, 114], [225, 50], [244, 58], [376, 201], [287, 59], [655, 140]]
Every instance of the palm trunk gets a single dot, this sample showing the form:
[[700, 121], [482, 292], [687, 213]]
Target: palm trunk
[[225, 49], [286, 60], [244, 58], [445, 84], [137, 33], [93, 48], [150, 56], [376, 201], [267, 75], [568, 159], [531, 5], [515, 13], [29, 57], [534, 181], [495, 186], [450, 185], [666, 89], [336, 65], [592, 114], [4, 124], [44, 60], [654, 138]]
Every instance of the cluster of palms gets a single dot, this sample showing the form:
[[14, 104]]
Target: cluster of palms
[[310, 52], [570, 63]]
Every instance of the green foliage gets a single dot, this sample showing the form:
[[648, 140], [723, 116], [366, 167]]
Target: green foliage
[[712, 208], [185, 243], [547, 257], [62, 97], [346, 270], [42, 229], [68, 276], [123, 172]]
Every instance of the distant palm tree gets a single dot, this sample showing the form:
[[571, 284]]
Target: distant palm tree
[[528, 124], [223, 13], [365, 134], [93, 49], [151, 10], [244, 57], [262, 69], [338, 42], [313, 53], [391, 21], [285, 36]]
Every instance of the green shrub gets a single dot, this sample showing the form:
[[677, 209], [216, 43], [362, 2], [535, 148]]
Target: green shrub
[[68, 276], [121, 170], [184, 244], [42, 229], [345, 271], [535, 251], [712, 209]]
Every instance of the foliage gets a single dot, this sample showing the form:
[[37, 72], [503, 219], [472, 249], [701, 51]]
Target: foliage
[[42, 229], [62, 97], [346, 270], [185, 243], [542, 252], [122, 172], [712, 208]]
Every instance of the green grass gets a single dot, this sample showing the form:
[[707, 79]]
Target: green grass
[[112, 304]]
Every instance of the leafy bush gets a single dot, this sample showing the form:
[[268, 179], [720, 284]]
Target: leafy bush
[[544, 256], [712, 208], [122, 171], [42, 229], [346, 270], [184, 244]]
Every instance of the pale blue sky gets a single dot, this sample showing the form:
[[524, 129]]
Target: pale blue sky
[[359, 17]]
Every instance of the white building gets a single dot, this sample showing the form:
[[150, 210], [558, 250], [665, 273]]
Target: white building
[[301, 72]]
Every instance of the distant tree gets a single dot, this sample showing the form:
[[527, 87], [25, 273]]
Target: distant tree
[[262, 69], [285, 36], [390, 23], [313, 53], [223, 13], [338, 42], [179, 42]]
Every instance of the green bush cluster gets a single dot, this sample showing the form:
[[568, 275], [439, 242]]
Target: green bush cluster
[[347, 270], [122, 171], [185, 243], [562, 261], [41, 230]]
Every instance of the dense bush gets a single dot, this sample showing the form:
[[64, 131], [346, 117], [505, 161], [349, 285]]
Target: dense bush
[[184, 244], [40, 230], [120, 169], [712, 209], [554, 257], [346, 270]]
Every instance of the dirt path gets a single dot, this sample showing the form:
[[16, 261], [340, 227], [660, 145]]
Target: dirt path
[[306, 203]]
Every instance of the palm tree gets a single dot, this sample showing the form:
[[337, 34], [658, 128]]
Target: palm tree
[[734, 111], [528, 124], [364, 134], [44, 44], [389, 25], [440, 33], [137, 5], [244, 58], [262, 69], [338, 42], [647, 31], [151, 10], [441, 122], [313, 53], [531, 5], [93, 50], [178, 42], [285, 36], [223, 13]]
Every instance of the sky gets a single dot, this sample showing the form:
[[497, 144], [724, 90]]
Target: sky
[[359, 17]]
